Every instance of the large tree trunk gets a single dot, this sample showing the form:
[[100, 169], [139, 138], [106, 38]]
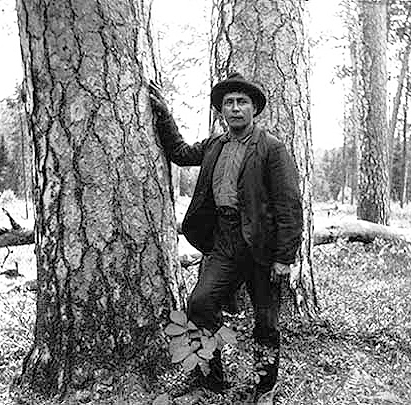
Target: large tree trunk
[[106, 243], [373, 198], [265, 41]]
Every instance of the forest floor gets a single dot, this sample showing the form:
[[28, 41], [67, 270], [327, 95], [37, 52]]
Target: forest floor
[[357, 352]]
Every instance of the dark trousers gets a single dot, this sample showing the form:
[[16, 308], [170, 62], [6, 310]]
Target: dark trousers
[[229, 265]]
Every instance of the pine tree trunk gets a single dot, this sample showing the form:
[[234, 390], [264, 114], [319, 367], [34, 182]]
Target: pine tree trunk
[[397, 100], [105, 234], [404, 162], [354, 114], [373, 198], [265, 41], [354, 36]]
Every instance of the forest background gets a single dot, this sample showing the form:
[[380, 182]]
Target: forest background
[[361, 352], [185, 82]]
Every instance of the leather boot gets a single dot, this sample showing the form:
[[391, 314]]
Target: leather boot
[[266, 362]]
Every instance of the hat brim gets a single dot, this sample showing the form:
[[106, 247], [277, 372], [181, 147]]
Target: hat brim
[[229, 86]]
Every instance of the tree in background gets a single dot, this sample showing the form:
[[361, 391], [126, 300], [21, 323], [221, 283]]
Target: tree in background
[[328, 178], [350, 17], [13, 130], [373, 196], [321, 189], [182, 50], [266, 43], [106, 243], [399, 13], [4, 165], [405, 163], [176, 69], [399, 36], [400, 187]]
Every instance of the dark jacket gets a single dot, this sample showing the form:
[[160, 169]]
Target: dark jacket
[[268, 194]]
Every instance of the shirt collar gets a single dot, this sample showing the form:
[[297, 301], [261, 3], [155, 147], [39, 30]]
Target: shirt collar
[[244, 138]]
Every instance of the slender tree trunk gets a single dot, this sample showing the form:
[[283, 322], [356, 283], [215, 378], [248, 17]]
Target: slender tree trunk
[[347, 131], [397, 99], [373, 199], [105, 227], [354, 165], [354, 35], [355, 123], [23, 136], [403, 195], [265, 41]]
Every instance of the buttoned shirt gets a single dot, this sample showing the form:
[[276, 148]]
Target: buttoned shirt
[[227, 169]]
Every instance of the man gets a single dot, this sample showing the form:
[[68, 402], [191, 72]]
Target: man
[[245, 216]]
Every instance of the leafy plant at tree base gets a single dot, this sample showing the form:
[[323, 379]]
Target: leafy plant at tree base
[[192, 346]]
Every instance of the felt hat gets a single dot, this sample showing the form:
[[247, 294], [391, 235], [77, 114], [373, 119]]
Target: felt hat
[[236, 83]]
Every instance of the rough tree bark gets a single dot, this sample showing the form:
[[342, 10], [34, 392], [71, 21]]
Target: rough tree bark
[[265, 41], [106, 243], [373, 196]]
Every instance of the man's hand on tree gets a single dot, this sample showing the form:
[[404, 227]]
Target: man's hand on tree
[[158, 102], [279, 269]]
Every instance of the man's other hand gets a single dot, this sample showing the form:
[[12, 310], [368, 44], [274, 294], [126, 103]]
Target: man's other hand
[[279, 269], [158, 102]]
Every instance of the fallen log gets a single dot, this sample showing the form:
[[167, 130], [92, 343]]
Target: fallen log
[[16, 237], [352, 230], [14, 225], [359, 231]]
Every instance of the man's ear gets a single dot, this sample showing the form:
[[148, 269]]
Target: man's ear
[[254, 109]]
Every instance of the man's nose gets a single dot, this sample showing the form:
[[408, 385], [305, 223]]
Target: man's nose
[[235, 106]]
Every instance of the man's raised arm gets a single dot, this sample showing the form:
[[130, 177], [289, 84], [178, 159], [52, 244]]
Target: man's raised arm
[[177, 150]]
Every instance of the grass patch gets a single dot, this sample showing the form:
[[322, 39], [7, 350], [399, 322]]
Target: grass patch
[[358, 352]]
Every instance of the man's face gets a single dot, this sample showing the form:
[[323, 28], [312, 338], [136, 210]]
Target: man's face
[[238, 110]]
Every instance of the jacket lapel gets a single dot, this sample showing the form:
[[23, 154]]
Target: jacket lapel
[[206, 174], [250, 150], [211, 159]]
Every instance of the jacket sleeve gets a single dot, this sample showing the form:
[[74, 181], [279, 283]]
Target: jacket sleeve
[[285, 200], [176, 149]]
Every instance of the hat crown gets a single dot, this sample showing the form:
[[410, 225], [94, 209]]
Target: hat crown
[[235, 75], [235, 82]]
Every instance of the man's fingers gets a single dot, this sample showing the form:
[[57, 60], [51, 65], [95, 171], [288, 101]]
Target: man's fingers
[[154, 88], [154, 85], [155, 94]]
